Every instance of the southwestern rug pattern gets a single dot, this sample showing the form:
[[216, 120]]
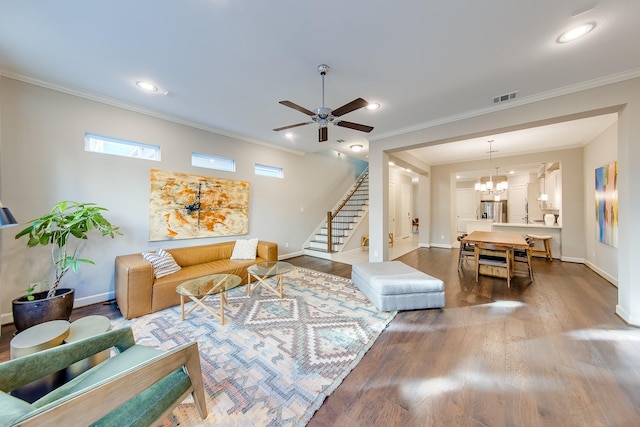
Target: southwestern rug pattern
[[274, 361]]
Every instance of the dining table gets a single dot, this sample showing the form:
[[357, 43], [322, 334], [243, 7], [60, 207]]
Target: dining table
[[513, 240]]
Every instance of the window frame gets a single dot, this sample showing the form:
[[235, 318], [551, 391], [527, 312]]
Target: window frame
[[91, 140]]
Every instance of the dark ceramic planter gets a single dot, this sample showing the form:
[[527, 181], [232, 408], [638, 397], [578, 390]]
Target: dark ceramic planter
[[42, 309]]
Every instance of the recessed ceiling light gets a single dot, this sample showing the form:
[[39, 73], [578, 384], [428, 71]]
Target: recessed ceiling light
[[149, 87], [356, 148], [576, 33], [373, 106], [288, 135]]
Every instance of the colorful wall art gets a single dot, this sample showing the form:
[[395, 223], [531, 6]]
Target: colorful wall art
[[607, 204], [183, 206]]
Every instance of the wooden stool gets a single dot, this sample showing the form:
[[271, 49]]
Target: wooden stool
[[364, 241], [547, 245]]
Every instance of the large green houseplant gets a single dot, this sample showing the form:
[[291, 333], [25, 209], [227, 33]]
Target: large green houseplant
[[64, 228]]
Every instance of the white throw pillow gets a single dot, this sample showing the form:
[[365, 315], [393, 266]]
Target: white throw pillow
[[245, 249], [162, 262]]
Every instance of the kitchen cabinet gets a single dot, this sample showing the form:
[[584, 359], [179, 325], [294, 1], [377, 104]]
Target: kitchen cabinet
[[551, 182]]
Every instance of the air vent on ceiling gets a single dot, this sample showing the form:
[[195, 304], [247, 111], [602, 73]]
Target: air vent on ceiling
[[505, 97]]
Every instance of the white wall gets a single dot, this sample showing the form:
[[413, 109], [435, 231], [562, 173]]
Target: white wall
[[601, 151], [43, 161]]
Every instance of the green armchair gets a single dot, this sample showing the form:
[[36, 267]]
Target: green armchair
[[136, 387]]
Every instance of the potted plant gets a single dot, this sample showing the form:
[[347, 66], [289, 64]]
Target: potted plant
[[64, 228]]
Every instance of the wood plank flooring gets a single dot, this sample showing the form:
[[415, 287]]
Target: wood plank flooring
[[547, 353]]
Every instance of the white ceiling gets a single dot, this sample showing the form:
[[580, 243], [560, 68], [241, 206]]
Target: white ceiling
[[225, 64]]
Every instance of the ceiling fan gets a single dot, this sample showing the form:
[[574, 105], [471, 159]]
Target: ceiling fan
[[323, 116]]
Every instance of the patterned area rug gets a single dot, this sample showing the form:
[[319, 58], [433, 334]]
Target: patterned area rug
[[274, 361]]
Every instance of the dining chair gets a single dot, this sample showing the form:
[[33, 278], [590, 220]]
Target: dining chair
[[524, 256], [467, 250], [501, 257]]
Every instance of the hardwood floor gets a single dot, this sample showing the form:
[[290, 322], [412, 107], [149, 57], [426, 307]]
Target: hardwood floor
[[547, 353]]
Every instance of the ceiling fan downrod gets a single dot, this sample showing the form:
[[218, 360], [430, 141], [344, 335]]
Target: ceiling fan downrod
[[323, 113]]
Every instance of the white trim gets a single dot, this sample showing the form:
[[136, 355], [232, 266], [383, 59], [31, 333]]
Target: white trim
[[603, 274], [620, 311], [441, 246], [290, 255]]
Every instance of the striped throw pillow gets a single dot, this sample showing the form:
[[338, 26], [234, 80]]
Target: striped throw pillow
[[162, 262]]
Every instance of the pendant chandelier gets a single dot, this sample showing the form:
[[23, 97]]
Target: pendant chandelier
[[489, 187]]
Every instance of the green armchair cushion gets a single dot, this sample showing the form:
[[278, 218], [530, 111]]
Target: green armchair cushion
[[13, 409], [152, 380], [109, 368]]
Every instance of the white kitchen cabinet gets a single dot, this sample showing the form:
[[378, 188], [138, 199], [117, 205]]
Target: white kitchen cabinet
[[551, 183]]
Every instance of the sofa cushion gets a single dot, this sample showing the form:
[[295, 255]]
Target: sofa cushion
[[162, 262], [245, 249], [194, 255]]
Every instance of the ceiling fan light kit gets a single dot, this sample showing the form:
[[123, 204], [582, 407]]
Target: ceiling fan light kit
[[323, 115]]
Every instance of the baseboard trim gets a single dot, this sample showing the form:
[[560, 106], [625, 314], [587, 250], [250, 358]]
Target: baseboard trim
[[291, 255], [441, 246], [602, 273]]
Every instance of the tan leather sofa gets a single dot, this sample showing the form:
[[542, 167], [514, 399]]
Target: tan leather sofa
[[139, 293]]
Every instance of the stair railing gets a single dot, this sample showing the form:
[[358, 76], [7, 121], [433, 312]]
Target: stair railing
[[332, 215]]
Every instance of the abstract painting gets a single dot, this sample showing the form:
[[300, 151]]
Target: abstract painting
[[607, 204], [184, 206]]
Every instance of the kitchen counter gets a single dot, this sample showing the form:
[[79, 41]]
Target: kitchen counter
[[534, 225], [555, 231]]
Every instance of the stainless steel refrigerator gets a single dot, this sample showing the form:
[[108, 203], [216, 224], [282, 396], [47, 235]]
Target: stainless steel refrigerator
[[496, 211]]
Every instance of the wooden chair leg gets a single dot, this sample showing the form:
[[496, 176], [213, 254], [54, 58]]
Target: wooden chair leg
[[477, 258], [509, 259]]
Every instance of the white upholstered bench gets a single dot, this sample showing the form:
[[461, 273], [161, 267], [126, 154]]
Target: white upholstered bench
[[393, 285]]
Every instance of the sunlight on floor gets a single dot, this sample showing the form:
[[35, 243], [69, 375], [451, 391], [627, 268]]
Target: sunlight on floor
[[400, 247], [605, 335]]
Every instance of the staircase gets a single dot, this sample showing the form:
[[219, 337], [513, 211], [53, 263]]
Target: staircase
[[345, 218]]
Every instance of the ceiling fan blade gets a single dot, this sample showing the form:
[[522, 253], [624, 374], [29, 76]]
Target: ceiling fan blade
[[347, 108], [297, 107], [292, 126], [323, 134], [356, 126]]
